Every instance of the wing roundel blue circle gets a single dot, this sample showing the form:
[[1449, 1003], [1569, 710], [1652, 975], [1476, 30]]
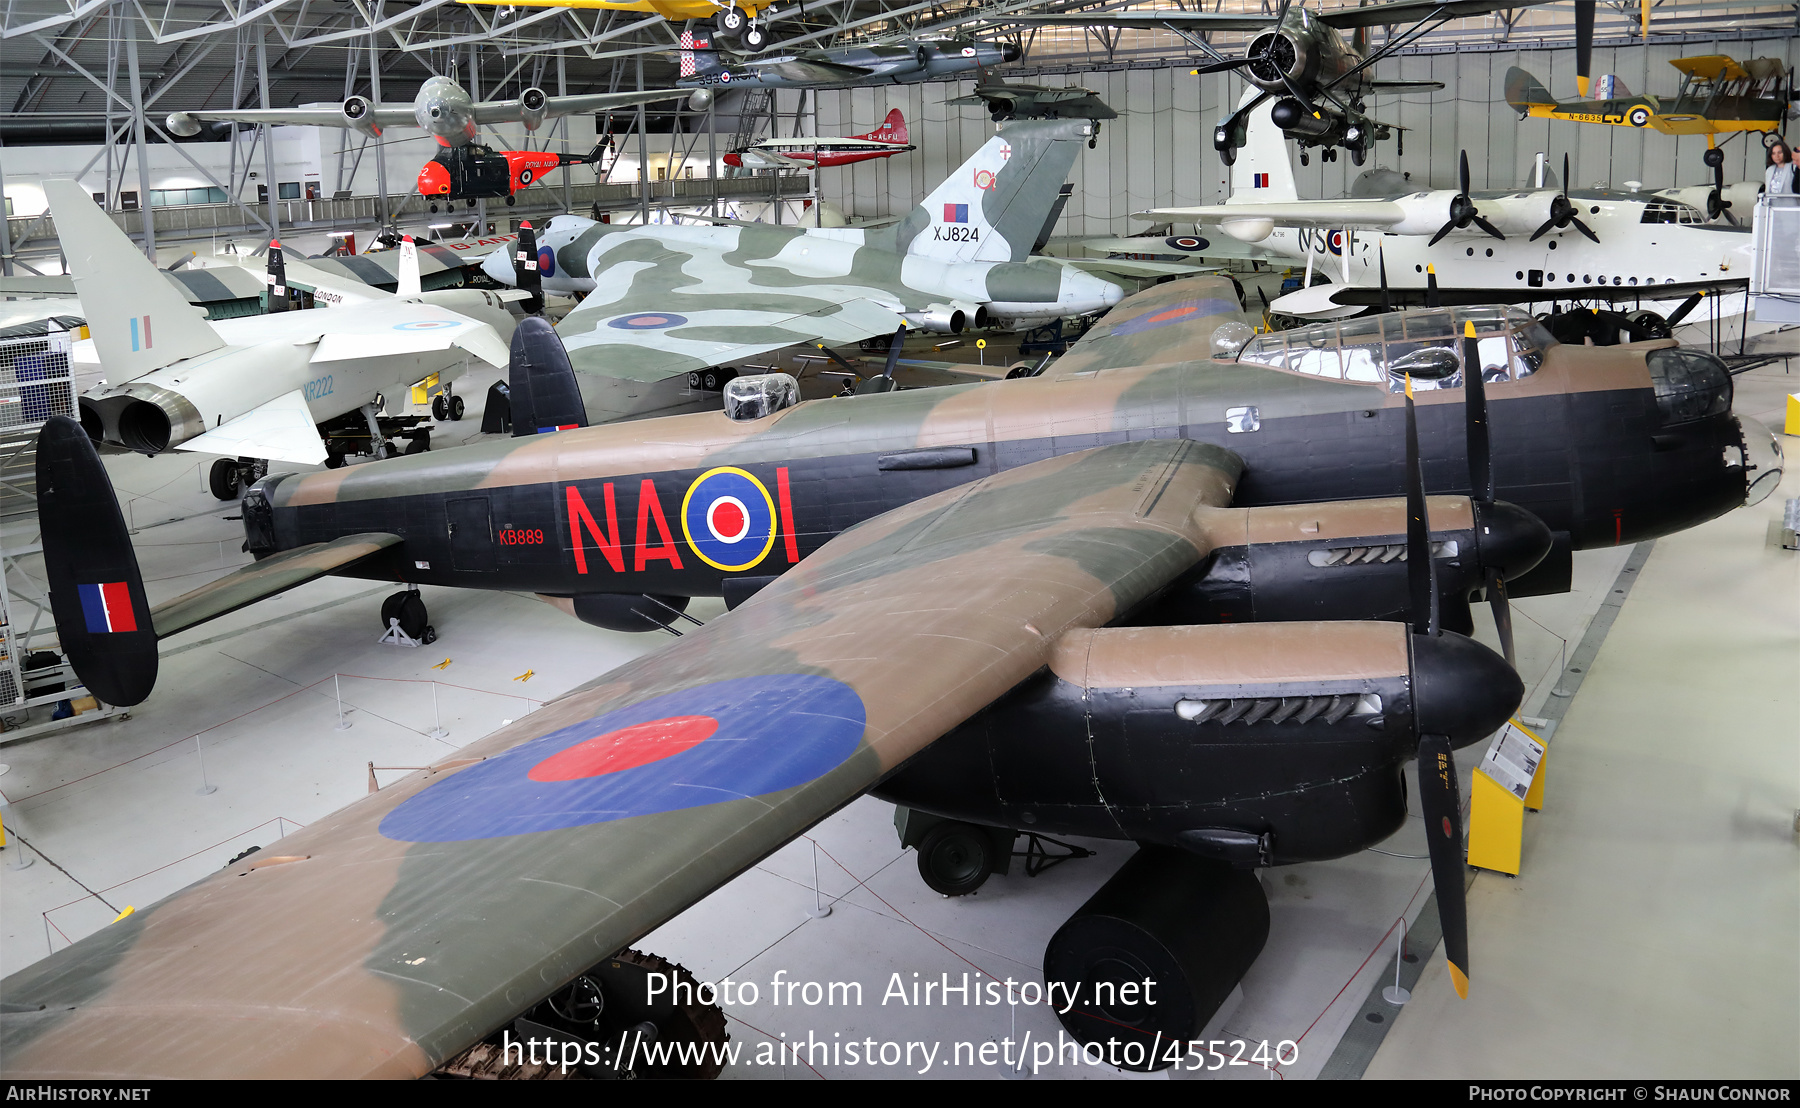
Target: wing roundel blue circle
[[741, 737]]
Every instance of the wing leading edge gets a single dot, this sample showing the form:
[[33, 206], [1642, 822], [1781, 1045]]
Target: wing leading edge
[[391, 935]]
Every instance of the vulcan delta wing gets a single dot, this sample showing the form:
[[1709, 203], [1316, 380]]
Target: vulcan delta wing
[[664, 301], [394, 934]]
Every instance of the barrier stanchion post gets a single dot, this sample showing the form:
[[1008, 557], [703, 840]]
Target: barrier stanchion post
[[337, 686], [820, 909], [1394, 994], [204, 789], [437, 720]]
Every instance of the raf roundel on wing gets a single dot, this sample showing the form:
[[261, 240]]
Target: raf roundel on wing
[[743, 737]]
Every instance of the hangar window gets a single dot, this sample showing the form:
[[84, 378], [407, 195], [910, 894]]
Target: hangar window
[[1365, 349], [179, 198]]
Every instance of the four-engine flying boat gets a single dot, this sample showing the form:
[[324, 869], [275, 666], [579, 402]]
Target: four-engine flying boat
[[1459, 246]]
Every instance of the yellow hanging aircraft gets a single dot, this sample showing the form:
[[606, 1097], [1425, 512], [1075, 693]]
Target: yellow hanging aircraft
[[739, 20]]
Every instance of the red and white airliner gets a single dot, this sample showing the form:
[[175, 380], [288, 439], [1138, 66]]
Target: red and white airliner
[[801, 152]]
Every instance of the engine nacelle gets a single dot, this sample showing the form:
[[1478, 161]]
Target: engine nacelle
[[182, 124], [1281, 55], [533, 103], [947, 319], [1519, 214], [359, 113], [1423, 213], [1254, 744]]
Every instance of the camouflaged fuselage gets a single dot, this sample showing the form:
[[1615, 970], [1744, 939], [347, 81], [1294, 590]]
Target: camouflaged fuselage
[[1581, 444]]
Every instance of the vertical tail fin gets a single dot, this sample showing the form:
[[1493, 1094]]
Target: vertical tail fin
[[892, 129], [1262, 173], [138, 319], [409, 269], [697, 57], [1523, 90], [992, 207], [541, 383], [96, 592]]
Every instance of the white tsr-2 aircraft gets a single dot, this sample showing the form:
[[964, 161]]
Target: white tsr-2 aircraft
[[259, 387]]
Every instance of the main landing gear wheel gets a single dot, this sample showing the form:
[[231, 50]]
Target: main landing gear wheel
[[439, 410], [731, 22], [409, 609], [456, 407], [511, 200], [1190, 925], [956, 858], [754, 37], [606, 1013], [418, 444], [1714, 157], [222, 479]]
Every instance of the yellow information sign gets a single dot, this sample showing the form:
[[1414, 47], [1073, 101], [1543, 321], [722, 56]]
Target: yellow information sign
[[1509, 779]]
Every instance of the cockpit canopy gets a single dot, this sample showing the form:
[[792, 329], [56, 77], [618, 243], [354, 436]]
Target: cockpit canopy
[[1384, 348], [1672, 211]]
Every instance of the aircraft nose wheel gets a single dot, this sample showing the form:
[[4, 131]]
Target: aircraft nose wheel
[[956, 858]]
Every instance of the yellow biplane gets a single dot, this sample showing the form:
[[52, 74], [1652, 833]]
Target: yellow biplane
[[740, 20], [1718, 95]]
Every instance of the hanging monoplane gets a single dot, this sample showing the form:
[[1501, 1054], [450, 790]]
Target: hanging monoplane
[[801, 152], [896, 63], [1321, 78], [442, 108]]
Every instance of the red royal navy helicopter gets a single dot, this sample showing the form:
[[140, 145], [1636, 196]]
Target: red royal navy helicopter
[[474, 172]]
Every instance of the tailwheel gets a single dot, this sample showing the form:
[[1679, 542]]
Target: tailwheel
[[608, 1024], [1188, 925]]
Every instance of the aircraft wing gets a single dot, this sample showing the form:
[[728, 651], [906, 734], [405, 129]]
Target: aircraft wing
[[311, 115], [1188, 246], [512, 111], [1166, 323], [818, 70], [1373, 214], [1411, 11], [282, 430], [1133, 268], [1151, 19], [395, 933], [662, 309], [261, 580]]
